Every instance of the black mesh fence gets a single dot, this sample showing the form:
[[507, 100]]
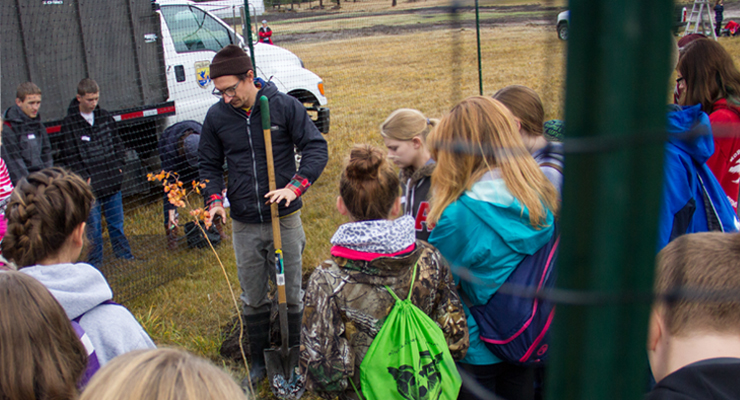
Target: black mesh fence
[[151, 60]]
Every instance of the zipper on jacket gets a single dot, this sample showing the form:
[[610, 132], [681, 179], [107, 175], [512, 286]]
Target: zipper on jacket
[[254, 171]]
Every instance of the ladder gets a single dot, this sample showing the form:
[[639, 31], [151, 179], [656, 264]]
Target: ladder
[[698, 10]]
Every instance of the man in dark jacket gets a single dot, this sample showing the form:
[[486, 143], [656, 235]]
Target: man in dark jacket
[[90, 147], [26, 146], [233, 130], [694, 334]]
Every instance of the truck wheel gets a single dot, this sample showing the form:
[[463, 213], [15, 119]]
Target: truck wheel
[[563, 31]]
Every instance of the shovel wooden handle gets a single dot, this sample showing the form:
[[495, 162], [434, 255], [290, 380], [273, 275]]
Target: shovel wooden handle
[[276, 237], [265, 111]]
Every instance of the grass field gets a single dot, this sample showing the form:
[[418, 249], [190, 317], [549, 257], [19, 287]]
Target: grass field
[[366, 78]]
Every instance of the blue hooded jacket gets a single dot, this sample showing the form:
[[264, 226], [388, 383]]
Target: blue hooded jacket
[[485, 234], [683, 209]]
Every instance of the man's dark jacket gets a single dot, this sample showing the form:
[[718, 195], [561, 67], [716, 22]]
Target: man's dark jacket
[[26, 147], [229, 133], [712, 379], [94, 152]]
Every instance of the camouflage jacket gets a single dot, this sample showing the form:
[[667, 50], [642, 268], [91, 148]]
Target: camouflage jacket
[[346, 304]]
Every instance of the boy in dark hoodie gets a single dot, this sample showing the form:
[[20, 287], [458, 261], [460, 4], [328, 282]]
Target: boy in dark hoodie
[[694, 342], [26, 146], [91, 148]]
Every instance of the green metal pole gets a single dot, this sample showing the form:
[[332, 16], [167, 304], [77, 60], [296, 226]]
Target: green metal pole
[[477, 34], [250, 42], [617, 85]]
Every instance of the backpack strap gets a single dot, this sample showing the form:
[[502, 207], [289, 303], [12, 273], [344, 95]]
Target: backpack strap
[[552, 165], [713, 222], [411, 285], [359, 395]]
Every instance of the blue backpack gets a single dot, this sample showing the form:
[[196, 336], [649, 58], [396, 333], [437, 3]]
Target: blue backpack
[[512, 326]]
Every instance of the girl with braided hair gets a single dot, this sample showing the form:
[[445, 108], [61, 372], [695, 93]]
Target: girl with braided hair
[[46, 228]]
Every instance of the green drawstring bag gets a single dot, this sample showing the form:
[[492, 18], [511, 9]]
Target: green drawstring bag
[[409, 358]]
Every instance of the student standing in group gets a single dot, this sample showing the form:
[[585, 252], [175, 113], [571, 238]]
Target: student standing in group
[[346, 304], [492, 206], [405, 135], [232, 130], [46, 228], [694, 342], [26, 146], [91, 148], [707, 75], [529, 114]]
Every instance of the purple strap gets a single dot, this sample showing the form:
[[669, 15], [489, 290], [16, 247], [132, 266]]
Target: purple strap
[[93, 365]]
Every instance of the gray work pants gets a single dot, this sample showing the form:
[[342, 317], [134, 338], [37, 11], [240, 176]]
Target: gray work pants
[[255, 262]]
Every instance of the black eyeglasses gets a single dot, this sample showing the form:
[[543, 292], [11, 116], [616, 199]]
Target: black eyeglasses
[[231, 92]]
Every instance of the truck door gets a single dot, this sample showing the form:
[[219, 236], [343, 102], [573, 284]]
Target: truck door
[[191, 38]]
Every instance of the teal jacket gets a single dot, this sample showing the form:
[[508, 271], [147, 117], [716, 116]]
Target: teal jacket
[[486, 234]]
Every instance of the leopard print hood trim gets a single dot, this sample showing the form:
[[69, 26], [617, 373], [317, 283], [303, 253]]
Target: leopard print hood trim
[[376, 236]]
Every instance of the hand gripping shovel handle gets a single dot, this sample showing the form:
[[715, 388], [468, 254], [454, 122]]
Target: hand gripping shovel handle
[[276, 238]]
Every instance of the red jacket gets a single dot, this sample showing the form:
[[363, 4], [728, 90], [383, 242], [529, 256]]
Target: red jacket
[[265, 35], [725, 162]]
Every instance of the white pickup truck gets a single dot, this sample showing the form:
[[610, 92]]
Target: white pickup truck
[[191, 37]]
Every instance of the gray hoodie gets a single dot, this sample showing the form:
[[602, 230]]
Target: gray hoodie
[[80, 288]]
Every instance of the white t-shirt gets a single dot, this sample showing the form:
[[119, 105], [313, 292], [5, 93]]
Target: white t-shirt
[[89, 117]]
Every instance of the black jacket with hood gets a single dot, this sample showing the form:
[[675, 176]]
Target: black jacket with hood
[[94, 152], [416, 187], [26, 147], [715, 379], [229, 133]]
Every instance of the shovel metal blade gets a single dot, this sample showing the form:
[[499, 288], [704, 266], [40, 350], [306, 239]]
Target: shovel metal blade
[[283, 373]]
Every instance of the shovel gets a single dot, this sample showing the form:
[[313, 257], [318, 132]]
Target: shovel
[[282, 363]]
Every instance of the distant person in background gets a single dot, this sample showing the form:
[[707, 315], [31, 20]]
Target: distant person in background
[[707, 75], [6, 188], [46, 230], [529, 114], [719, 9], [92, 148], [162, 374], [265, 33], [694, 342], [26, 144], [405, 135], [41, 356]]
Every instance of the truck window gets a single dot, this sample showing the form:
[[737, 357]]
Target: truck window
[[194, 30]]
